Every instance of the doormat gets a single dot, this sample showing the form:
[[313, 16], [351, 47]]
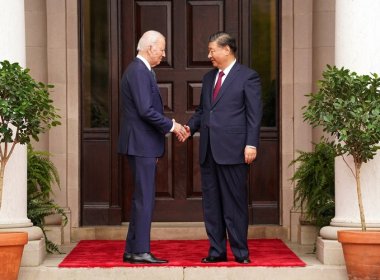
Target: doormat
[[180, 253]]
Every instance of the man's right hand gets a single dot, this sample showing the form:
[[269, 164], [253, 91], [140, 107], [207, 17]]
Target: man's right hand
[[180, 131]]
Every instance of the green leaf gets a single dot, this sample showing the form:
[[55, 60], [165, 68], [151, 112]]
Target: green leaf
[[314, 180], [41, 176], [24, 104], [347, 105]]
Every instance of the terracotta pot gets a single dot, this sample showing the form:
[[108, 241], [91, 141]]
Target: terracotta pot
[[11, 248], [361, 251]]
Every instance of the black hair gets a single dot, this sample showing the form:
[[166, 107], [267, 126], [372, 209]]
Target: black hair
[[223, 39]]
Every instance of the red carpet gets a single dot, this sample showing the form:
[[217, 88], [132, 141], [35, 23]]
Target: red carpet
[[108, 253]]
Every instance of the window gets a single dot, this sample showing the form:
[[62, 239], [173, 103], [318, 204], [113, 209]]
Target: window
[[95, 64], [264, 55]]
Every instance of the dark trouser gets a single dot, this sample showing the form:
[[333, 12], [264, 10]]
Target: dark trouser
[[144, 173], [224, 189]]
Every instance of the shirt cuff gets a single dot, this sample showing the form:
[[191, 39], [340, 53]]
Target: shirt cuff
[[172, 129], [249, 146]]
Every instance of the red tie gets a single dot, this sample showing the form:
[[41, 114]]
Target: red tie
[[218, 85]]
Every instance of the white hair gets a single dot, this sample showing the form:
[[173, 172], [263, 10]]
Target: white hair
[[149, 38]]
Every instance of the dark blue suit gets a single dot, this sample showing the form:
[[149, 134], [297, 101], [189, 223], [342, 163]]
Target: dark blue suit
[[142, 139], [226, 126]]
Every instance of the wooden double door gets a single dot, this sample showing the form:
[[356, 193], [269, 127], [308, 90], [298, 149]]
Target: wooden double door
[[186, 25]]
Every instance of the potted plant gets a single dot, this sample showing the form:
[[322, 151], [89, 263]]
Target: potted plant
[[42, 174], [347, 106], [26, 110], [314, 179]]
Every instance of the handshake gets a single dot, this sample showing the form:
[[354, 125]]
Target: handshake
[[182, 132]]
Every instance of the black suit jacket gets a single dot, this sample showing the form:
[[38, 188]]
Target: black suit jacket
[[233, 120]]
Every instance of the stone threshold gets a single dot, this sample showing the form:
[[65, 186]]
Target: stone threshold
[[171, 231]]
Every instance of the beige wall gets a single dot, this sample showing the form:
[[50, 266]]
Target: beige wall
[[36, 45], [323, 43], [52, 55], [307, 32]]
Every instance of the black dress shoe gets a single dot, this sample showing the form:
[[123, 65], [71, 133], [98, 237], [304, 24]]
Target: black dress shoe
[[243, 260], [211, 259], [145, 258], [127, 257]]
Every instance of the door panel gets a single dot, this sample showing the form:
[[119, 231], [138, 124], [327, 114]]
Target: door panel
[[100, 192], [263, 181]]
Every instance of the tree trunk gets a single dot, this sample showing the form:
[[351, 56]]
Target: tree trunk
[[359, 193], [4, 160], [2, 168]]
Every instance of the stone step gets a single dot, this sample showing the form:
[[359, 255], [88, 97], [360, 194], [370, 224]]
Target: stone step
[[189, 273], [171, 231]]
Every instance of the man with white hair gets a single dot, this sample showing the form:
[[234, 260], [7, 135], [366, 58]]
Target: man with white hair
[[142, 139]]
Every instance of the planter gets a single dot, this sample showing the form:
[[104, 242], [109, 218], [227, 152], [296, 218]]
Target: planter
[[11, 248], [361, 251]]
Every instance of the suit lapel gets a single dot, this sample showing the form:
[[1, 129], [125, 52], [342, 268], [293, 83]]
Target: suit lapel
[[209, 87], [154, 81], [229, 79]]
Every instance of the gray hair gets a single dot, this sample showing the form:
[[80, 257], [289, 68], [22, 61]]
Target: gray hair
[[149, 38]]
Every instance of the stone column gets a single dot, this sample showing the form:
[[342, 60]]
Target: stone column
[[356, 48], [13, 211], [12, 42]]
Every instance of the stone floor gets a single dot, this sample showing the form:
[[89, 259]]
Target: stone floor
[[314, 270]]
